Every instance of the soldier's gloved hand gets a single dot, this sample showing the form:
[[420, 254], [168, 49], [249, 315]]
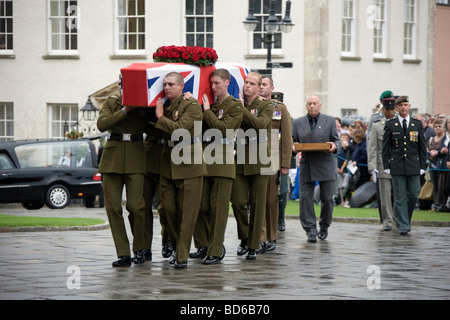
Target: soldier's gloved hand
[[374, 173], [422, 171], [387, 171]]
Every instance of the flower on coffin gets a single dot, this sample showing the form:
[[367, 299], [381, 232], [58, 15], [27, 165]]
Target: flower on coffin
[[202, 56]]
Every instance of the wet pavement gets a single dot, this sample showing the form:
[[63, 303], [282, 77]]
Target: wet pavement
[[356, 261]]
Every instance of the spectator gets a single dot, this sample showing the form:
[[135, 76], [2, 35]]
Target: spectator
[[428, 131], [343, 176], [359, 158], [438, 149]]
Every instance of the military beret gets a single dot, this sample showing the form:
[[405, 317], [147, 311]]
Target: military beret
[[402, 99], [277, 96], [386, 94], [389, 103]]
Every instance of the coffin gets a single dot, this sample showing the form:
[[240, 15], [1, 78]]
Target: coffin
[[142, 83]]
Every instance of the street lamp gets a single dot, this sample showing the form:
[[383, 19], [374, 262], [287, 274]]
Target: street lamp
[[89, 114], [89, 111], [250, 23], [272, 24]]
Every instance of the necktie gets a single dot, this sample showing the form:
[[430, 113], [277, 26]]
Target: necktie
[[313, 125], [404, 126]]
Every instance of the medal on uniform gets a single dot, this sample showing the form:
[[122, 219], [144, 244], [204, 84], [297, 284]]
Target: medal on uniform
[[276, 115], [414, 136], [176, 116], [254, 112], [220, 114]]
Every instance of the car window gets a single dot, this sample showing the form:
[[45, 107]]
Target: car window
[[5, 162], [54, 154]]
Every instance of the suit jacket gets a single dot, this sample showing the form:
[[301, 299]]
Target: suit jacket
[[223, 116], [182, 114], [122, 157], [404, 154], [375, 149], [316, 165]]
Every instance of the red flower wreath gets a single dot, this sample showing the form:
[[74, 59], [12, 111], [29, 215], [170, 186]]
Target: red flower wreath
[[191, 55]]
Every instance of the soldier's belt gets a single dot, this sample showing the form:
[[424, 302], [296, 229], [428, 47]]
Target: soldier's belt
[[128, 137], [154, 140], [172, 143], [252, 140], [212, 139]]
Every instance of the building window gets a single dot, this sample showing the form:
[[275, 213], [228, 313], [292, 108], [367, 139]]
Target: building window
[[199, 23], [6, 121], [6, 27], [444, 2], [63, 118], [409, 35], [63, 26], [130, 26], [348, 28], [262, 11], [379, 31]]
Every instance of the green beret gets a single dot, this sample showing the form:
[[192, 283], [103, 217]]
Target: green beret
[[402, 99], [386, 94], [277, 96]]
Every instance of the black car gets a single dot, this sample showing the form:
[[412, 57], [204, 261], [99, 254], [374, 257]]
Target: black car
[[50, 172]]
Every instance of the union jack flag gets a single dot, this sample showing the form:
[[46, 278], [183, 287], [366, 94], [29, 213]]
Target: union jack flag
[[142, 83]]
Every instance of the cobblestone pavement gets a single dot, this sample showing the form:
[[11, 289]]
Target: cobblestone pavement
[[356, 261]]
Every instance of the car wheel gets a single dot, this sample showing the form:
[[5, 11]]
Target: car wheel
[[33, 205], [57, 197]]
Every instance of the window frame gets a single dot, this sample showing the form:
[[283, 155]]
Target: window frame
[[380, 24], [73, 124], [5, 121], [205, 15], [410, 42], [5, 32], [72, 14], [264, 16], [352, 29], [119, 51]]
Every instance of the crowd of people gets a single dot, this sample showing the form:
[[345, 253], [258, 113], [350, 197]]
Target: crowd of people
[[181, 151]]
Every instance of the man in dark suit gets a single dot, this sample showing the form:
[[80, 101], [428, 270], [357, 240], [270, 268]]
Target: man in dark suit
[[319, 166], [404, 157]]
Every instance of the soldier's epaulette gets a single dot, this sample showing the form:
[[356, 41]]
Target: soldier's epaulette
[[262, 99], [390, 119], [114, 96], [377, 120]]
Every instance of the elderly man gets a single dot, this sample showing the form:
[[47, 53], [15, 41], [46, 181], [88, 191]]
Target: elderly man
[[319, 166]]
